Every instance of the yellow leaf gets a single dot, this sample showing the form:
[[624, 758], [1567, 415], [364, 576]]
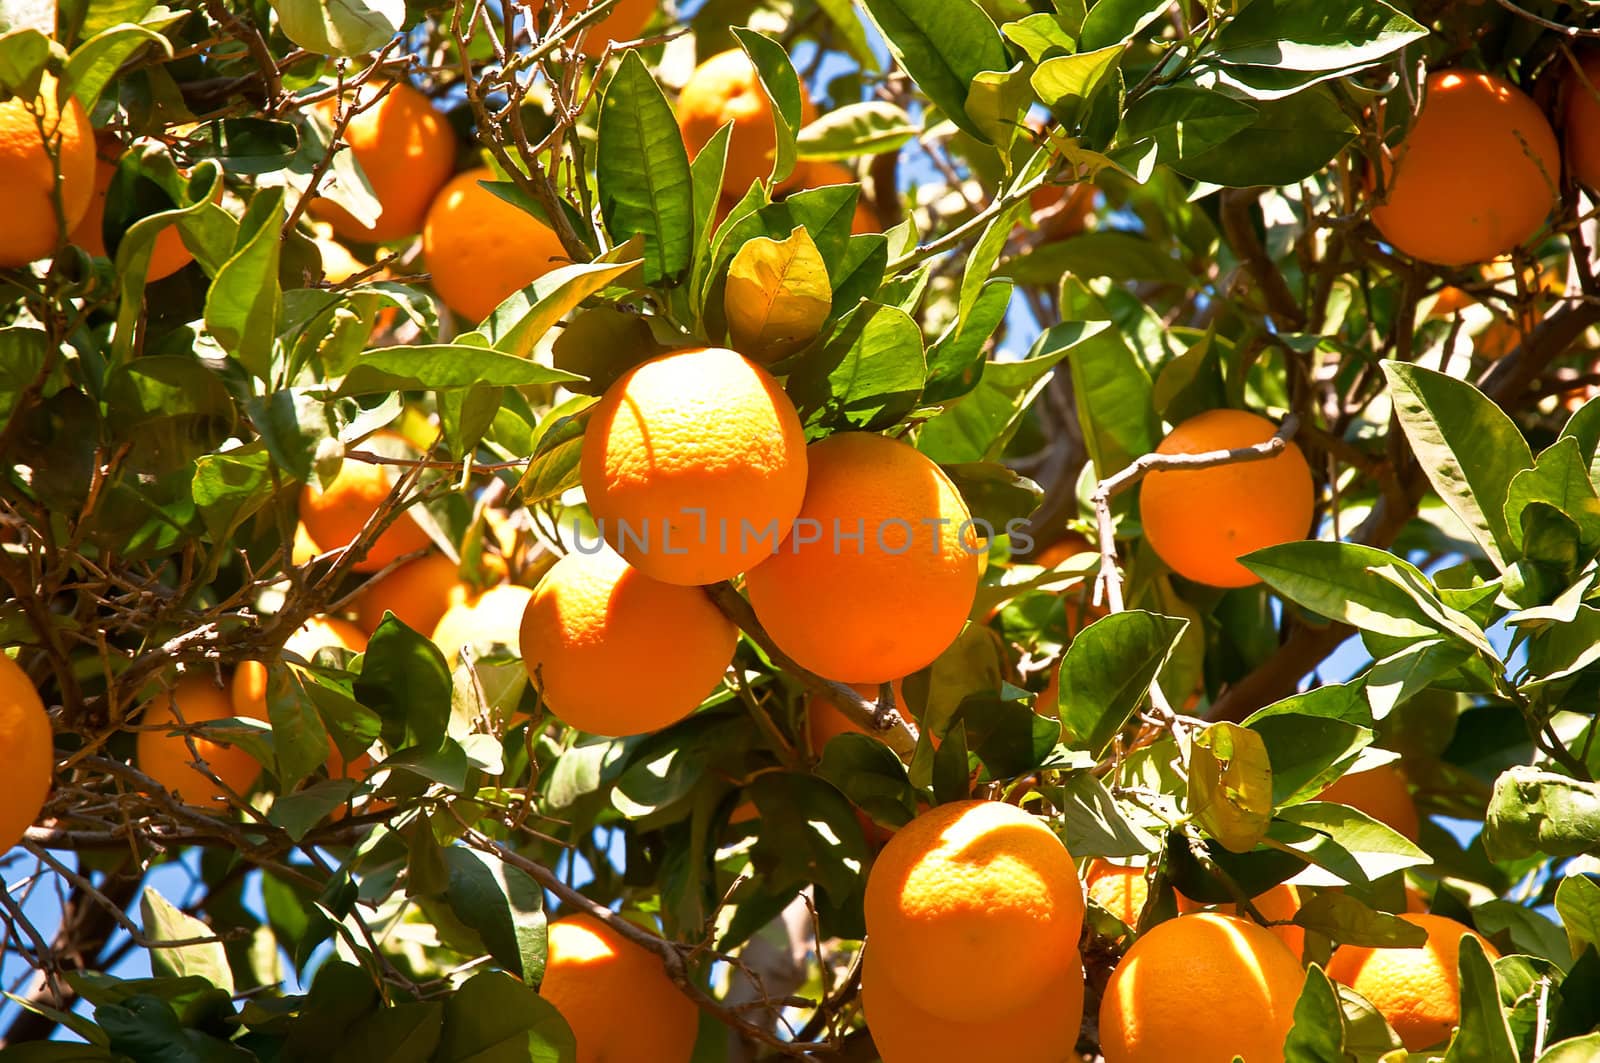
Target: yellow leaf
[[1230, 785], [777, 296]]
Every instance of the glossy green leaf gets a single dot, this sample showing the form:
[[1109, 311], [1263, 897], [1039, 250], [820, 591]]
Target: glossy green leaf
[[1289, 35], [1289, 140], [95, 62], [1483, 1036], [1317, 1035], [867, 128], [493, 1018], [243, 301], [440, 366], [1578, 904], [643, 172], [867, 376], [165, 922], [503, 904], [1539, 812], [405, 680], [943, 45], [782, 86], [1107, 671], [1115, 22]]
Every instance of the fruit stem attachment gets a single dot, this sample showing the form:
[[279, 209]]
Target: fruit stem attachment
[[877, 718]]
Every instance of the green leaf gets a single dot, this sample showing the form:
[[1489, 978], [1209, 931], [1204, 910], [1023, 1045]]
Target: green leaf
[[1184, 120], [493, 1018], [405, 680], [1008, 737], [871, 776], [96, 61], [523, 317], [782, 85], [1289, 140], [1092, 823], [243, 301], [1578, 904], [298, 736], [1039, 35], [943, 45], [955, 359], [642, 170], [867, 376], [1295, 36], [951, 766], [298, 812], [1535, 812], [1317, 1035], [24, 52], [1483, 1036], [996, 103], [437, 366], [1307, 751], [1583, 1049], [163, 921], [22, 355], [809, 834], [345, 28], [979, 426], [853, 35], [246, 145], [1560, 477], [1116, 22], [777, 296], [1340, 916], [1120, 256], [980, 261], [503, 904], [1468, 447], [1378, 849], [1066, 83], [1107, 671], [871, 127], [1336, 580], [1230, 785]]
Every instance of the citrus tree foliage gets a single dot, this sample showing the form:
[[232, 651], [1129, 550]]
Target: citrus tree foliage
[[157, 434]]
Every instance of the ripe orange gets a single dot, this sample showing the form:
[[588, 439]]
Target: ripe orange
[[879, 575], [418, 593], [334, 516], [616, 996], [1418, 990], [1120, 889], [483, 621], [166, 757], [1201, 520], [821, 174], [726, 88], [1276, 905], [248, 690], [169, 255], [1043, 1029], [618, 653], [28, 174], [626, 22], [1071, 218], [1580, 120], [27, 747], [303, 548], [694, 465], [1381, 793], [1476, 174], [967, 887], [480, 248], [406, 149], [1201, 988]]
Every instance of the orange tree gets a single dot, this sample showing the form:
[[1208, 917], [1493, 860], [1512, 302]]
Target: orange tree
[[509, 511]]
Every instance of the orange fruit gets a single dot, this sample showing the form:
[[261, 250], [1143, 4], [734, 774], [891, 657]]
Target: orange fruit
[[483, 621], [1418, 989], [169, 255], [968, 887], [694, 465], [334, 516], [27, 747], [821, 174], [1276, 905], [1451, 300], [1201, 988], [28, 173], [618, 653], [418, 593], [1120, 889], [303, 548], [1200, 521], [1043, 1029], [406, 149], [1476, 174], [166, 757], [480, 248], [625, 22], [1381, 793], [879, 575], [1580, 120], [1072, 218], [726, 88], [616, 996], [248, 690]]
